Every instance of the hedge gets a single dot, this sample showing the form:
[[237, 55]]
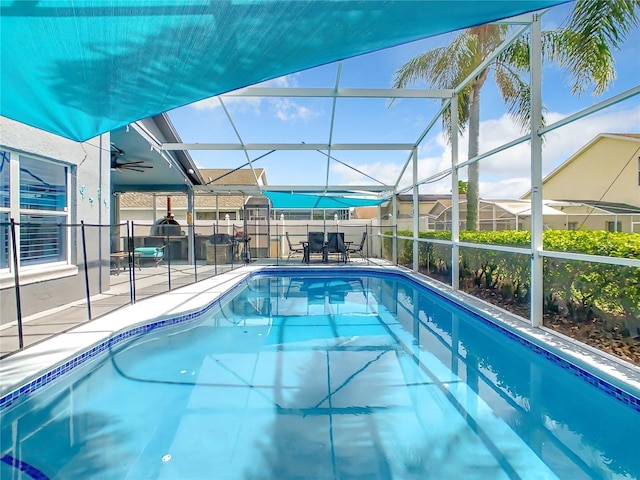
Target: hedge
[[577, 289]]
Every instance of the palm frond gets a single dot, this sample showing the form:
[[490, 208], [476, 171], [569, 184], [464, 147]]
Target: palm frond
[[516, 94], [438, 67], [608, 21], [585, 47]]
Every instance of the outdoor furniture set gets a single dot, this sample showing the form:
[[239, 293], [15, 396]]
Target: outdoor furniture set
[[334, 244]]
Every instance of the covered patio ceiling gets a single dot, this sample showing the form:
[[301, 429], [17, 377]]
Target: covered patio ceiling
[[110, 64]]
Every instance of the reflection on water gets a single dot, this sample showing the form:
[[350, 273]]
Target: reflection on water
[[325, 377]]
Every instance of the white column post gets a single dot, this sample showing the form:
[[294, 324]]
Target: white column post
[[536, 174], [394, 229], [282, 252], [416, 212], [191, 227], [455, 197], [381, 231]]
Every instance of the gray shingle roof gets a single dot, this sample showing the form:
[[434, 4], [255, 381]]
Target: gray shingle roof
[[220, 176]]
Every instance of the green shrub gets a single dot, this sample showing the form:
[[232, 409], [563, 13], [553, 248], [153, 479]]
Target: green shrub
[[582, 290]]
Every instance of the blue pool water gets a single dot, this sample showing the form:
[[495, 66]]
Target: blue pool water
[[322, 377]]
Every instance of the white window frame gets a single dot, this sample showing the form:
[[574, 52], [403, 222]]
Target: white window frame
[[15, 211]]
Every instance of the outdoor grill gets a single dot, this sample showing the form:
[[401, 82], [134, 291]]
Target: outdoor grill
[[167, 226]]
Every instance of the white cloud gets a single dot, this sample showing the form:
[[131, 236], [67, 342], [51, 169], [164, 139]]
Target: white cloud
[[235, 104], [505, 189], [290, 111], [506, 174], [558, 145], [281, 82], [384, 172], [284, 109]]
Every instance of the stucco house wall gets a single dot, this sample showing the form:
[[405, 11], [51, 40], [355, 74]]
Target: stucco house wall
[[45, 286], [606, 169]]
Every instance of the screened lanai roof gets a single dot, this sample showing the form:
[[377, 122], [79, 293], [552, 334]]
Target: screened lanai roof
[[78, 69]]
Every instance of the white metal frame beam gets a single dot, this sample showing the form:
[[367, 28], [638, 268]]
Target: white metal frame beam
[[286, 146], [333, 117], [341, 92], [359, 190]]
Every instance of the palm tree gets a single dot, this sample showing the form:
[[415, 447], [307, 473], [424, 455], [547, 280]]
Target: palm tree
[[446, 67], [584, 47]]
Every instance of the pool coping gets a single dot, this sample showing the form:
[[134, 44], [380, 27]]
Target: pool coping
[[25, 372]]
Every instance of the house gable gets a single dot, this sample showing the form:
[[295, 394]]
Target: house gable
[[606, 169]]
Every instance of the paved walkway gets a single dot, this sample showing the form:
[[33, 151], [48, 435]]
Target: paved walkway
[[149, 281]]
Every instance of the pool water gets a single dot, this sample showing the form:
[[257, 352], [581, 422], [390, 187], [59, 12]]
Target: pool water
[[322, 377]]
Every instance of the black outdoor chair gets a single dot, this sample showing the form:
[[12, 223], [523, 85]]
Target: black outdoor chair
[[293, 250], [335, 245], [316, 245], [359, 249]]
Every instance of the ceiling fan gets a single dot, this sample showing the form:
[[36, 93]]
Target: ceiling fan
[[117, 164]]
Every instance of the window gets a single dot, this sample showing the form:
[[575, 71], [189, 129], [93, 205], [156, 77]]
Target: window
[[39, 203], [4, 234], [4, 179], [43, 185], [205, 215], [572, 226], [42, 239], [614, 226], [43, 191]]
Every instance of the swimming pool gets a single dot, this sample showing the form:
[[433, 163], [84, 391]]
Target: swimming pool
[[339, 373]]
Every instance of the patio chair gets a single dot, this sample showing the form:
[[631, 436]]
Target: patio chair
[[156, 254], [335, 244], [359, 249], [293, 250], [316, 245]]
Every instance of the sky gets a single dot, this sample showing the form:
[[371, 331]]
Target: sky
[[296, 120]]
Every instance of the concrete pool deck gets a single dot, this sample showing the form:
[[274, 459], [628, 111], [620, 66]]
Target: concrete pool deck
[[150, 281]]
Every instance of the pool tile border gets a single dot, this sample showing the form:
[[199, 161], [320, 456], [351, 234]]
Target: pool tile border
[[604, 386], [27, 389], [600, 384]]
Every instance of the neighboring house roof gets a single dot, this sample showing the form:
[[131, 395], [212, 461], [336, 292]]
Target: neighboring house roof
[[137, 200], [423, 197], [521, 208], [219, 176], [633, 137], [610, 207], [365, 212], [226, 176]]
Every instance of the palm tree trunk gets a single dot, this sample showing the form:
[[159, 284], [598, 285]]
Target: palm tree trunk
[[473, 169]]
